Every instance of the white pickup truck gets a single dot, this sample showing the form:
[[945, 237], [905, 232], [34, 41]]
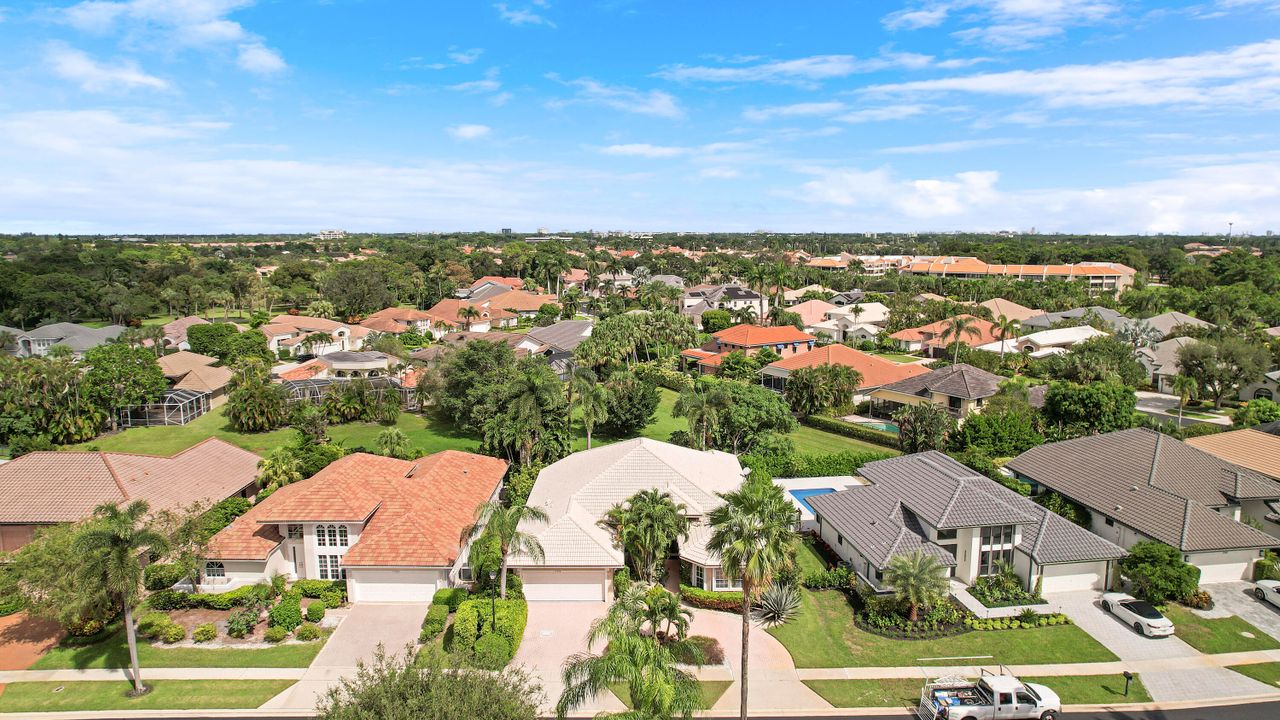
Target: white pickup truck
[[991, 697]]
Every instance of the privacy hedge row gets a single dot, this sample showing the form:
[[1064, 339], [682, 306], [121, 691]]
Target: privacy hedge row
[[474, 620], [433, 624], [162, 576], [262, 593], [857, 432], [729, 601], [452, 597], [318, 588]]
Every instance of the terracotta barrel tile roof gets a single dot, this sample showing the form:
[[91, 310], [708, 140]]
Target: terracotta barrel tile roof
[[755, 335], [875, 371]]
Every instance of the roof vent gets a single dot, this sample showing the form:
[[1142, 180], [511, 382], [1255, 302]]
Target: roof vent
[[412, 470], [1119, 508], [1133, 488]]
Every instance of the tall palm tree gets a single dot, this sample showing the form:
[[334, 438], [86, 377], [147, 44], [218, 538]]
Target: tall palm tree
[[593, 399], [753, 534], [746, 315], [115, 543], [646, 525], [917, 579], [955, 329], [1005, 328], [702, 410], [467, 314], [495, 520], [280, 468], [570, 302], [1186, 388]]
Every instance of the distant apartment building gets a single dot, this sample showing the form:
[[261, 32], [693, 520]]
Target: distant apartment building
[[1101, 276]]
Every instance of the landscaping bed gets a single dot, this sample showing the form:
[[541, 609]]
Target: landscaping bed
[[711, 692], [1218, 635], [905, 692], [114, 653], [29, 697]]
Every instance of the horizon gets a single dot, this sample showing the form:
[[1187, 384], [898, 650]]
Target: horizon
[[1082, 117]]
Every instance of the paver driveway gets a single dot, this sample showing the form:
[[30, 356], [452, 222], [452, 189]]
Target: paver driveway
[[557, 630], [1236, 598]]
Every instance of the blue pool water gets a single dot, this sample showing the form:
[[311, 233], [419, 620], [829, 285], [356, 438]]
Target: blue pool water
[[804, 495], [881, 426]]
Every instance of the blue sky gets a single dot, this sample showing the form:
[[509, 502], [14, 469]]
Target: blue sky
[[292, 115]]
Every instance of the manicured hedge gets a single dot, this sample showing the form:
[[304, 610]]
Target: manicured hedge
[[162, 576], [474, 620], [433, 624], [317, 588], [315, 612], [452, 597], [857, 432], [730, 601], [287, 613], [241, 596], [1016, 623], [838, 578]]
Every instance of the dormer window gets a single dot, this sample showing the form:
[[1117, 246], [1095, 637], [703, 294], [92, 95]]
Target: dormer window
[[294, 532]]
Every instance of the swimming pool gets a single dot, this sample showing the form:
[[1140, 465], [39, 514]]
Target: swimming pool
[[881, 426], [803, 495]]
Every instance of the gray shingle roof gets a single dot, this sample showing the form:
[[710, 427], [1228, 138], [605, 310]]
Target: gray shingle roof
[[884, 519], [1112, 318], [1161, 487], [564, 335], [962, 381], [1165, 323], [77, 337]]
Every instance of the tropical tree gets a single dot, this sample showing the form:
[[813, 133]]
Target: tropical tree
[[1006, 328], [280, 468], [1187, 389], [816, 389], [702, 410], [753, 534], [570, 302], [924, 426], [746, 315], [394, 443], [501, 524], [917, 579], [120, 375], [468, 314], [593, 400], [955, 329], [645, 526], [529, 423], [255, 404], [115, 545]]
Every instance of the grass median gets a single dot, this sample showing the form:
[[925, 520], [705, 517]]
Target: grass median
[[30, 697]]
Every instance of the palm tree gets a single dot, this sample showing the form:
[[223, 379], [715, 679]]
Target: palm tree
[[393, 443], [753, 534], [593, 399], [702, 410], [917, 579], [956, 328], [280, 468], [570, 302], [746, 315], [645, 526], [468, 313], [495, 520], [1005, 328], [115, 543], [1187, 389]]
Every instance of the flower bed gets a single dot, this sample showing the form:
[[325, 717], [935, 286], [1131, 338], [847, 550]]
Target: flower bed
[[730, 601]]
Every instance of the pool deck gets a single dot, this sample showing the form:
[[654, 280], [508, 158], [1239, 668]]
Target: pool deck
[[835, 482]]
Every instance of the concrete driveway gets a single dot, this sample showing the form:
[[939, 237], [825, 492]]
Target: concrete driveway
[[772, 681], [1236, 598], [556, 631], [1158, 406], [1085, 611]]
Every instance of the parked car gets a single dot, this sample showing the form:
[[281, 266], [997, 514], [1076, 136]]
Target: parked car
[[1142, 615], [1267, 591], [990, 697]]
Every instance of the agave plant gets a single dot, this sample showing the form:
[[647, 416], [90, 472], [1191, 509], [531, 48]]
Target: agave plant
[[777, 606]]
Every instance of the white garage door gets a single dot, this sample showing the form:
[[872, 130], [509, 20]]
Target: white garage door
[[1079, 576], [562, 585], [391, 585]]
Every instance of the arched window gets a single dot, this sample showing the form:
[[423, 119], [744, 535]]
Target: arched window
[[332, 531], [214, 569], [342, 536], [1262, 394]]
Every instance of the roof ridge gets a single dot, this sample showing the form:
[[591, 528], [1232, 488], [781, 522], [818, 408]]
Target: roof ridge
[[1186, 523], [114, 476], [1155, 460]]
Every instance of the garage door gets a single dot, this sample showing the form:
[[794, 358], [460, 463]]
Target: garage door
[[391, 585], [562, 585], [1079, 576]]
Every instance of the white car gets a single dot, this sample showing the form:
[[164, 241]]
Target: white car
[[1267, 591], [1144, 618]]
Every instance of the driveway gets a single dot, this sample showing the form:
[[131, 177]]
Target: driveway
[[557, 630], [772, 681], [24, 639], [1236, 598], [1157, 405]]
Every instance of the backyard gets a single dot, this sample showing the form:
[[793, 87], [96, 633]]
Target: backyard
[[425, 432], [30, 697], [905, 692], [114, 653]]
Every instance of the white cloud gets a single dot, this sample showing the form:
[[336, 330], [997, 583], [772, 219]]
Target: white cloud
[[644, 150], [918, 199], [620, 97], [466, 57], [489, 83], [523, 16], [180, 24], [94, 132], [881, 114], [1004, 24], [93, 76], [469, 131], [720, 173], [810, 109], [260, 59], [1247, 76], [809, 71], [950, 147]]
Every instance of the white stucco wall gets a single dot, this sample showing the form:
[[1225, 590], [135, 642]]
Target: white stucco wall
[[1225, 566]]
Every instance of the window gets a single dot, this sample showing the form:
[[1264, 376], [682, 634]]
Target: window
[[947, 534], [997, 548], [954, 402], [1111, 523], [331, 535], [214, 569], [320, 539], [295, 532], [330, 568], [839, 539], [724, 583], [342, 536], [699, 577]]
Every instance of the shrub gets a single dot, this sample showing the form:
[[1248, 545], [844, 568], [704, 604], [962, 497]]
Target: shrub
[[492, 652], [334, 599], [730, 601], [712, 653], [241, 622], [621, 582], [474, 620], [316, 589], [307, 632], [848, 429], [1266, 568], [278, 583], [287, 613], [162, 576], [205, 633], [452, 597], [275, 634], [10, 604], [433, 624], [172, 633], [1158, 572], [315, 612], [1200, 600], [168, 600], [1002, 590], [151, 624], [837, 578]]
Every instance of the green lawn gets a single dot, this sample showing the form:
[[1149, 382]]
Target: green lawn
[[1218, 635], [898, 357], [905, 692], [711, 692], [1268, 673], [114, 653], [29, 697], [824, 635], [808, 560]]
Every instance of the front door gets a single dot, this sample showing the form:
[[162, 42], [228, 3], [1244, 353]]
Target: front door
[[298, 570]]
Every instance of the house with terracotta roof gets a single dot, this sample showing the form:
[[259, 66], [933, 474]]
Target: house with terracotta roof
[[398, 320], [45, 488], [1000, 307], [448, 315], [175, 332], [366, 364], [876, 372], [929, 338], [390, 528], [580, 556], [521, 302], [186, 370], [312, 335], [1141, 485], [782, 339], [811, 313], [791, 297]]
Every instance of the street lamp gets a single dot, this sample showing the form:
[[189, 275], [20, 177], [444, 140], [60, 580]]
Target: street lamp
[[493, 602]]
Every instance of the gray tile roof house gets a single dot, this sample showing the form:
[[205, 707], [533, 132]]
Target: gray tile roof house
[[563, 336], [1110, 317], [1161, 360], [1159, 487], [77, 337], [1165, 323], [961, 380], [912, 497]]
